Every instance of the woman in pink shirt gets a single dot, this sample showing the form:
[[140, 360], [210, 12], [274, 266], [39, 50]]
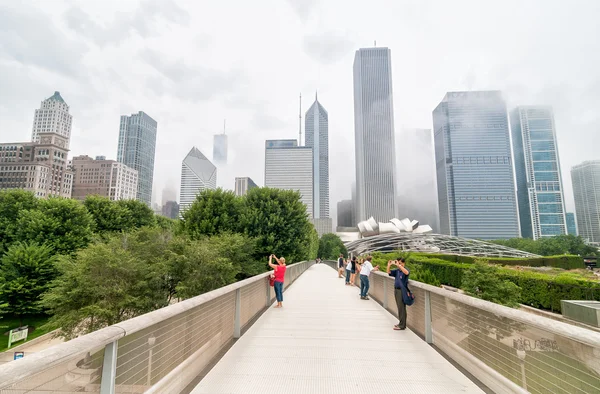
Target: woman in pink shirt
[[279, 278]]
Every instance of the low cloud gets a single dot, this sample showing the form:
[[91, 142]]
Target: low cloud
[[327, 48], [303, 8]]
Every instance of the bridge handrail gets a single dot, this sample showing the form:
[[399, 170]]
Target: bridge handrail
[[19, 370]]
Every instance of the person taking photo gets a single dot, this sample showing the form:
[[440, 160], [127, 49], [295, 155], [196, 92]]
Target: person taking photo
[[279, 268], [400, 285]]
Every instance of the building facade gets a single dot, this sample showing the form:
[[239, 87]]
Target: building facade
[[322, 225], [344, 214], [105, 178], [317, 137], [571, 224], [170, 209], [290, 167], [243, 184], [475, 182], [220, 149], [40, 167], [537, 167], [197, 174], [586, 190], [52, 117], [375, 158], [137, 147]]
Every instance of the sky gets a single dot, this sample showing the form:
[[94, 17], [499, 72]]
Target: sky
[[192, 64]]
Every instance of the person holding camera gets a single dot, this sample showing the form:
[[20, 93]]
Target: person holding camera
[[400, 284], [279, 268]]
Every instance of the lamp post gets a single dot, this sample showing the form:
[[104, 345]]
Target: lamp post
[[151, 342], [522, 354]]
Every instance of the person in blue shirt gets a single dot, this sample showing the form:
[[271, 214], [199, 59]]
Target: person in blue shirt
[[400, 284]]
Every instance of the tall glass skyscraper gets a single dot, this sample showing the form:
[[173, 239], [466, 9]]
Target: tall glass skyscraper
[[586, 190], [137, 145], [537, 167], [220, 149], [476, 191], [374, 135], [571, 224], [317, 137]]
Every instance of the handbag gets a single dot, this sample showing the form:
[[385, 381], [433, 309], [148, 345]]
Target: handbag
[[271, 280], [408, 297]]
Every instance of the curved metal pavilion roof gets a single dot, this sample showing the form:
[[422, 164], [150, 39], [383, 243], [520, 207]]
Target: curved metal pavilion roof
[[431, 243]]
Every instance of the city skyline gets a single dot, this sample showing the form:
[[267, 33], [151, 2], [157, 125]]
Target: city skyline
[[207, 76]]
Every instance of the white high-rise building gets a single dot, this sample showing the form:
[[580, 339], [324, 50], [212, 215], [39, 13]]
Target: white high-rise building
[[290, 167], [586, 190], [376, 188], [52, 117], [317, 137], [197, 174]]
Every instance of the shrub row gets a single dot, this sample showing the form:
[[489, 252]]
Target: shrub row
[[567, 262], [538, 290]]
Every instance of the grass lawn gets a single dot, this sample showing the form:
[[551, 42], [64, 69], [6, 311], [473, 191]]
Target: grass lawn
[[8, 323]]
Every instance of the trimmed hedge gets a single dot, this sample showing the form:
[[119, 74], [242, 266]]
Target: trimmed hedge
[[538, 290]]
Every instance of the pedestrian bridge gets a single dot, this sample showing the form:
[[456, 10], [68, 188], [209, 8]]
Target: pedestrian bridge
[[324, 340]]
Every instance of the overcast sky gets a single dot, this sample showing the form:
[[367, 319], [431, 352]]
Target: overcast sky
[[191, 64]]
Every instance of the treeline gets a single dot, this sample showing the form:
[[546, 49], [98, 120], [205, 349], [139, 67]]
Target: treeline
[[93, 264], [551, 246]]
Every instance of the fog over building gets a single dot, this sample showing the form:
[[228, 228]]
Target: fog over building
[[137, 147], [417, 190], [375, 158], [220, 149], [475, 182]]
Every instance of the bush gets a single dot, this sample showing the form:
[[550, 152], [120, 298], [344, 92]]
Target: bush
[[567, 262], [482, 281]]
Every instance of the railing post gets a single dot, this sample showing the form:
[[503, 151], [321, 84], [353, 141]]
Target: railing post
[[109, 369], [428, 333], [385, 286], [237, 329], [268, 304]]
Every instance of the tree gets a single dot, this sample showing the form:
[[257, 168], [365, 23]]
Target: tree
[[12, 202], [26, 271], [330, 247], [240, 250], [279, 222], [139, 214], [213, 212], [551, 246], [63, 224], [108, 215]]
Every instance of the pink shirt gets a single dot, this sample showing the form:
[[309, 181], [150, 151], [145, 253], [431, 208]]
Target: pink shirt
[[280, 273]]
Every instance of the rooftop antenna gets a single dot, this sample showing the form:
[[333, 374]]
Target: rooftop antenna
[[224, 120], [375, 43], [300, 123]]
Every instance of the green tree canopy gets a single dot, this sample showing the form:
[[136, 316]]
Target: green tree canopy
[[108, 215], [551, 246], [63, 224], [330, 247], [12, 202], [26, 271], [139, 214], [279, 222], [213, 212]]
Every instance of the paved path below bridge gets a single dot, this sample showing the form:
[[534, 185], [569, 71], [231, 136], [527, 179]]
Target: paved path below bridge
[[327, 340]]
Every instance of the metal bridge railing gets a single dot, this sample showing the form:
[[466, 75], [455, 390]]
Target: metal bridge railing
[[159, 352], [507, 349]]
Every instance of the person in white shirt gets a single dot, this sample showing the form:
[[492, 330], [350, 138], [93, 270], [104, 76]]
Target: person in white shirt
[[365, 271]]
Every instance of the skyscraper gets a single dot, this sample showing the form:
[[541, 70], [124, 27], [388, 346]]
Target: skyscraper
[[290, 167], [243, 184], [537, 167], [52, 117], [374, 135], [220, 149], [137, 145], [571, 224], [106, 178], [317, 137], [197, 174], [475, 183], [586, 190]]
